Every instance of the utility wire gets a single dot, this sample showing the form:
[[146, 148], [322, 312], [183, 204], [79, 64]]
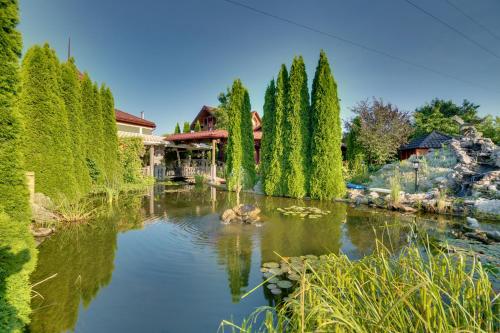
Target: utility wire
[[359, 45], [472, 19], [453, 29]]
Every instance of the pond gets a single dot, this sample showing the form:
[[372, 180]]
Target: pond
[[163, 262]]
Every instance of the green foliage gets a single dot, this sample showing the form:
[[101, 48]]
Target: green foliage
[[396, 187], [17, 261], [131, 150], [326, 161], [111, 159], [47, 145], [177, 129], [186, 127], [197, 126], [267, 143], [221, 113], [418, 290], [490, 127], [382, 130], [296, 131], [273, 184], [437, 116], [247, 142], [13, 191], [71, 94], [234, 152]]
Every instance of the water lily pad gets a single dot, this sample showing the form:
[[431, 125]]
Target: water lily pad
[[267, 275], [271, 286], [276, 291], [283, 284], [294, 277], [274, 280], [271, 265], [264, 269], [275, 271]]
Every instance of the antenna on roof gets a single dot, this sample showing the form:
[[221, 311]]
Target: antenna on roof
[[69, 47]]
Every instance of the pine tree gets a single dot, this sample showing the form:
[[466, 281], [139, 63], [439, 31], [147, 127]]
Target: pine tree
[[247, 142], [71, 94], [186, 128], [197, 126], [296, 132], [111, 157], [47, 142], [274, 175], [326, 162], [13, 191], [177, 129], [234, 152], [268, 120]]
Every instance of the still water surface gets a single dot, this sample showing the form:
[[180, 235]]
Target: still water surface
[[164, 263]]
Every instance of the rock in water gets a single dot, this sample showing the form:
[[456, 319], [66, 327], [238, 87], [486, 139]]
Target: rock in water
[[228, 216], [472, 222]]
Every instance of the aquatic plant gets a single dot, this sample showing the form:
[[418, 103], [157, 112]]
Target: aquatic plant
[[418, 290], [74, 210], [396, 187]]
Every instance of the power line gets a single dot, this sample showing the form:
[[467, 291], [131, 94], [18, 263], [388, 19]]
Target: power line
[[449, 26], [358, 45], [472, 19]]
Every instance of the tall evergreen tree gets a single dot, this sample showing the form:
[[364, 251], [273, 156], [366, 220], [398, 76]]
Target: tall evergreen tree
[[326, 162], [186, 128], [87, 100], [197, 126], [97, 122], [274, 176], [247, 142], [296, 132], [111, 157], [177, 129], [71, 94], [234, 152], [13, 191], [268, 120], [47, 142]]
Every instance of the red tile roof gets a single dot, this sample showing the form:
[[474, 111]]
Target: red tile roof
[[124, 117], [203, 135]]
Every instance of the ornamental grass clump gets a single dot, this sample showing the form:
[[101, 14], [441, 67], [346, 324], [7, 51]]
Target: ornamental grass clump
[[415, 291], [396, 187]]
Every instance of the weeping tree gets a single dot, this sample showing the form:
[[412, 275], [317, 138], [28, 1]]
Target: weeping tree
[[326, 155], [296, 131], [17, 248], [47, 145], [274, 184], [268, 120], [111, 159], [177, 129], [71, 94]]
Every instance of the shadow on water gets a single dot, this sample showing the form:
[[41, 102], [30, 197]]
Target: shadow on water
[[187, 248]]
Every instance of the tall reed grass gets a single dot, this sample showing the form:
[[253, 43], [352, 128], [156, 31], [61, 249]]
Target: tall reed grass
[[418, 290]]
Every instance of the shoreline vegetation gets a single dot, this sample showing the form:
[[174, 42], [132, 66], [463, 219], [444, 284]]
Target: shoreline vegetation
[[420, 289]]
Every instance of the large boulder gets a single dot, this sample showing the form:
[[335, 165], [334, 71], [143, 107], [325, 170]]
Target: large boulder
[[242, 213]]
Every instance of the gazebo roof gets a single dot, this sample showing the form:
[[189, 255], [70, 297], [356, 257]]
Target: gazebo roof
[[154, 140], [434, 139], [205, 135]]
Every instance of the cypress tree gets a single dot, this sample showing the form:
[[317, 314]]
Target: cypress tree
[[296, 132], [98, 142], [177, 129], [268, 120], [87, 101], [326, 155], [111, 157], [70, 89], [247, 142], [47, 142], [274, 175], [234, 152], [186, 128], [13, 191], [197, 126]]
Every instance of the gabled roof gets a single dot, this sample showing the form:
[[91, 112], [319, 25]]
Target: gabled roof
[[204, 109], [124, 117], [434, 139]]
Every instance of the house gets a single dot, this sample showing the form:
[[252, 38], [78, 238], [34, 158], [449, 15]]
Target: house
[[210, 135], [130, 126], [421, 145]]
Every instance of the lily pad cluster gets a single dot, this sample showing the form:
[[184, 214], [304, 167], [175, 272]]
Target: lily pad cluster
[[283, 276], [303, 212]]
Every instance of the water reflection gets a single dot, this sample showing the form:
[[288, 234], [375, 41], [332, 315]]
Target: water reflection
[[186, 263]]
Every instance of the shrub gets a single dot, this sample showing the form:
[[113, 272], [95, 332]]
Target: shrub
[[131, 150], [396, 187]]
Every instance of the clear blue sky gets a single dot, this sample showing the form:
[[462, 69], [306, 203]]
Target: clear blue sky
[[168, 58]]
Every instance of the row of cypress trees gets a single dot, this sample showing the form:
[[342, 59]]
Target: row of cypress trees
[[301, 134], [70, 139], [240, 162]]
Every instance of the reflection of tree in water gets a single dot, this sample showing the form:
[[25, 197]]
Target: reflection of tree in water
[[365, 227], [234, 249], [82, 256]]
